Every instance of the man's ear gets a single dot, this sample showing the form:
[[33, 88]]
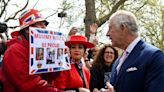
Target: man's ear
[[123, 27]]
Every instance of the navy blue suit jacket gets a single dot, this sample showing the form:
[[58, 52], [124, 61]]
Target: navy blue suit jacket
[[142, 71]]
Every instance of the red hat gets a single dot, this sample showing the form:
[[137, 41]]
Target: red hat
[[30, 17], [77, 39]]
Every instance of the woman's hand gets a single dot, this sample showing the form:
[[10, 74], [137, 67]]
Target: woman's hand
[[95, 90], [84, 90], [42, 83], [93, 28]]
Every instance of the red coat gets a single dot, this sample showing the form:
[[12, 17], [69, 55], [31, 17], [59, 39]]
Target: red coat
[[71, 78], [16, 68], [7, 86]]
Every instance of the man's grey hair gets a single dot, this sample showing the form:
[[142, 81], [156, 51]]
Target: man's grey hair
[[124, 17]]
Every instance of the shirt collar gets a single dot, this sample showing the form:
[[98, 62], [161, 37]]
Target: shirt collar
[[133, 44], [80, 64]]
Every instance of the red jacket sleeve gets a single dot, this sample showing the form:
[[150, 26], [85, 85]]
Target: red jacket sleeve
[[60, 80]]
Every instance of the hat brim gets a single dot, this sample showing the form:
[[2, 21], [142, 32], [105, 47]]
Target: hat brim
[[16, 33], [33, 22], [87, 44]]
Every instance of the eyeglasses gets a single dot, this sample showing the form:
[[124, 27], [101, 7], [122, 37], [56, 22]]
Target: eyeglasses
[[108, 52]]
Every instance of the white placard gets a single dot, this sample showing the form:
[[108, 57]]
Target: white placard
[[47, 51]]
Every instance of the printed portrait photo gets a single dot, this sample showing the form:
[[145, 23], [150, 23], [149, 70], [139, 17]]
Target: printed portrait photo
[[39, 53]]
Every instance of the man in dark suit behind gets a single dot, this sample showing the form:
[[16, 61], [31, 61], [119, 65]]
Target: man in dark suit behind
[[141, 67]]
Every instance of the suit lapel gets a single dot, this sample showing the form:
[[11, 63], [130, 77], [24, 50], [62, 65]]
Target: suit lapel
[[129, 60], [114, 72]]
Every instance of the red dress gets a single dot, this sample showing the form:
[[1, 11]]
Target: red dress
[[71, 79]]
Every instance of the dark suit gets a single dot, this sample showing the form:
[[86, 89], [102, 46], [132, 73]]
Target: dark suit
[[142, 70]]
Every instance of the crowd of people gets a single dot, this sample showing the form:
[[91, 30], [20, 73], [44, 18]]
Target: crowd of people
[[140, 68]]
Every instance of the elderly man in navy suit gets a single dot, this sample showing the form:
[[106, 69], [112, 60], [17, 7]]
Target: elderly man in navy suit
[[141, 67]]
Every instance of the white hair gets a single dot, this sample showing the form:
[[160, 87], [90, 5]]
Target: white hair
[[124, 17]]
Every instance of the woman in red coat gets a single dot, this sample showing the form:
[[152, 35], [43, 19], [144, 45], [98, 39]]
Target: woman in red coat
[[14, 74], [78, 77]]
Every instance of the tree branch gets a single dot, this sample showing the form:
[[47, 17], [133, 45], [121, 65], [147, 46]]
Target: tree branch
[[114, 9], [4, 7], [15, 14]]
